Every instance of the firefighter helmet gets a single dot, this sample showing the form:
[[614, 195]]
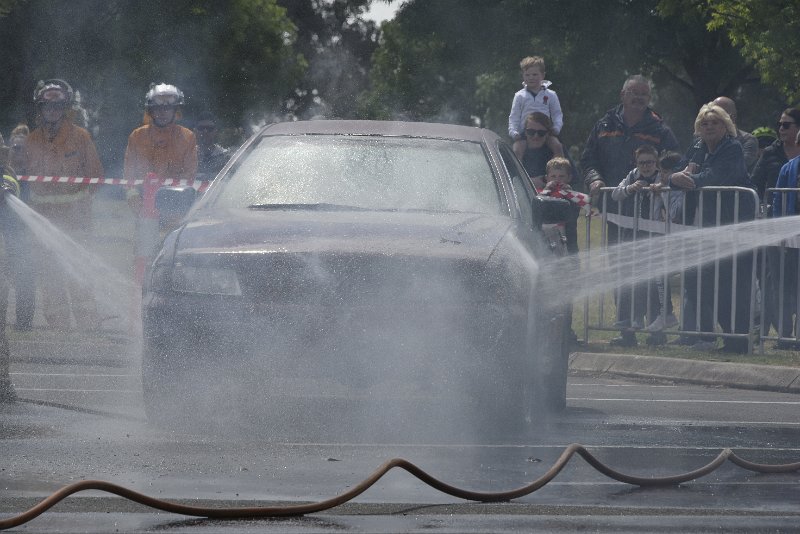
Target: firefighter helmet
[[163, 94], [53, 90]]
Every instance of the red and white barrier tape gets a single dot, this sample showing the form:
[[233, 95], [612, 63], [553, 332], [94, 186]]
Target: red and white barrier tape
[[200, 185]]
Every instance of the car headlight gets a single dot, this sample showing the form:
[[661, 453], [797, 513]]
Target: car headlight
[[205, 280]]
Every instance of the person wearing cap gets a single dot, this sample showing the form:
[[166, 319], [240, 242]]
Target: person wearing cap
[[765, 136], [58, 147], [211, 156], [161, 146]]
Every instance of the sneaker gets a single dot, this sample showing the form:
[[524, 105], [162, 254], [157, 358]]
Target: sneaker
[[786, 345], [623, 341], [660, 324], [656, 339], [685, 341], [705, 346], [657, 325]]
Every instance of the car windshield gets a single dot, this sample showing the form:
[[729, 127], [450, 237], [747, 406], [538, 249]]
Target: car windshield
[[363, 172]]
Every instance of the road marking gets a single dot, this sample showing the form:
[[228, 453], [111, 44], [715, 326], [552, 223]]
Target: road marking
[[600, 384], [80, 390], [685, 401], [74, 374]]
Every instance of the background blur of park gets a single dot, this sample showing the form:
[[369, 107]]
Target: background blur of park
[[258, 61]]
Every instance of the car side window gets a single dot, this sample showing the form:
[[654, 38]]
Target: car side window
[[520, 183]]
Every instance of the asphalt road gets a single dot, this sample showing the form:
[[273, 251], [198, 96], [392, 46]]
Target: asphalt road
[[81, 418]]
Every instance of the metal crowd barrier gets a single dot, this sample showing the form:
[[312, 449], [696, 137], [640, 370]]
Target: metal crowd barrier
[[780, 307], [698, 304]]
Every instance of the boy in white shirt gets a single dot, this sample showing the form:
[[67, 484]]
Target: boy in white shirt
[[535, 96]]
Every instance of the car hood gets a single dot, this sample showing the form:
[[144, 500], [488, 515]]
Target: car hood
[[463, 235]]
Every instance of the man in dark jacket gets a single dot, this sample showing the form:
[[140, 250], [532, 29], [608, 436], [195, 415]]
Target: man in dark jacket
[[609, 152], [608, 156]]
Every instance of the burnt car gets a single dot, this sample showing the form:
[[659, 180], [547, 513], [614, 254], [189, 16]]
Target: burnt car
[[361, 260]]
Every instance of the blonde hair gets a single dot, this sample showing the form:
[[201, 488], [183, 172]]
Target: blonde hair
[[712, 109], [532, 61], [558, 163]]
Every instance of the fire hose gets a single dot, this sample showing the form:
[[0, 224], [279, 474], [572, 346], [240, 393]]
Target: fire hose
[[309, 508]]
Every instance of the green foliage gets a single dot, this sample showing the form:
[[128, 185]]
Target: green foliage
[[768, 33], [459, 61]]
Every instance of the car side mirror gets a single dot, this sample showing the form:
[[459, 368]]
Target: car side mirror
[[174, 202], [549, 210]]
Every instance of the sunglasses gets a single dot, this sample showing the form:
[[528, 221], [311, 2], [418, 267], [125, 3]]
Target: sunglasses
[[785, 125], [533, 132]]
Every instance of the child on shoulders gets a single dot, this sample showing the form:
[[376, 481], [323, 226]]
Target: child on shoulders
[[535, 96]]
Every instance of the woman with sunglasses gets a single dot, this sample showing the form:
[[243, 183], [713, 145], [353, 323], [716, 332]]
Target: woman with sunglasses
[[765, 176], [775, 156], [538, 129]]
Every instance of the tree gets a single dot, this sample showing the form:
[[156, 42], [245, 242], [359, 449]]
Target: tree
[[459, 61], [236, 57], [768, 33]]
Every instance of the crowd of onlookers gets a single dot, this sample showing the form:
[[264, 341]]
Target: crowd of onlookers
[[632, 150]]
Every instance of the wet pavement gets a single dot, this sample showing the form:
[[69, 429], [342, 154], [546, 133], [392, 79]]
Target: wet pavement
[[80, 417]]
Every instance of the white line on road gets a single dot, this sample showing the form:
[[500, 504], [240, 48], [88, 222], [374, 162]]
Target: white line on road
[[685, 401], [74, 374], [80, 390]]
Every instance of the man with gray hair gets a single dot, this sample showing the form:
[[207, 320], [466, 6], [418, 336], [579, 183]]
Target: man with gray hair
[[609, 156], [747, 140]]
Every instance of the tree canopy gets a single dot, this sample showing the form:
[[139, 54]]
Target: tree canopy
[[255, 61]]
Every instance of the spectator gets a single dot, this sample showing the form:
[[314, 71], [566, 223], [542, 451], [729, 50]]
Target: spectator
[[609, 152], [535, 96], [775, 156], [8, 186], [747, 140], [642, 298], [559, 174], [717, 159], [765, 136], [538, 130], [765, 176], [211, 157], [57, 147], [783, 204], [667, 205], [608, 155], [18, 240]]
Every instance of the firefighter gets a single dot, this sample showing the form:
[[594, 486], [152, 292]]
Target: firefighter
[[8, 186], [161, 146], [159, 149], [58, 147]]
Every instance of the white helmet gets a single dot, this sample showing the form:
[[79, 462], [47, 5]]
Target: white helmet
[[53, 90], [163, 94]]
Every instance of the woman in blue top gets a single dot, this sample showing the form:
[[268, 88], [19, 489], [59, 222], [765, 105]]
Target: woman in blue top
[[785, 203]]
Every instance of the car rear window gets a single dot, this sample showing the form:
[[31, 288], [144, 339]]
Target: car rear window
[[367, 172]]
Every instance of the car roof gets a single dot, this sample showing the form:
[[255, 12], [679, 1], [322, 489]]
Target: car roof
[[392, 128]]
